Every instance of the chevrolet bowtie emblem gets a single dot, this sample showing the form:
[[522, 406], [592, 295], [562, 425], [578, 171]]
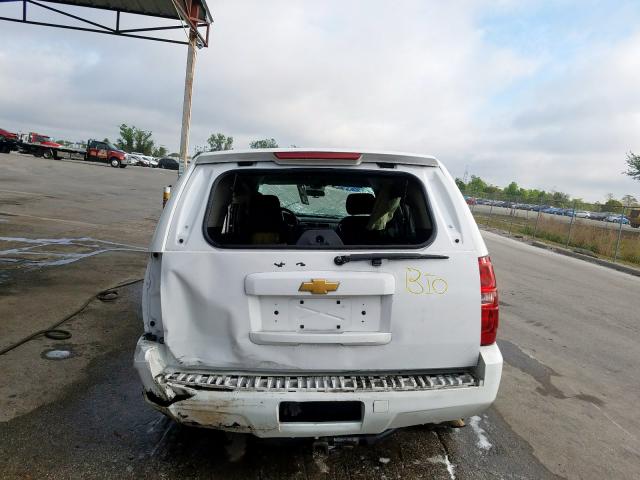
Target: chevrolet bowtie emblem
[[319, 286]]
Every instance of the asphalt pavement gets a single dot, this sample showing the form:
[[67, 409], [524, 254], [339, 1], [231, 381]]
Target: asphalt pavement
[[569, 332]]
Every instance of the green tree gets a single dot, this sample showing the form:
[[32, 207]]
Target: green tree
[[580, 204], [160, 152], [633, 166], [612, 205], [629, 201], [143, 141], [133, 139], [476, 185], [126, 140], [512, 190], [218, 142], [264, 143], [533, 195], [461, 185], [560, 198]]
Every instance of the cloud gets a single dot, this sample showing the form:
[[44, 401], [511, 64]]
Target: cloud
[[430, 77], [573, 131]]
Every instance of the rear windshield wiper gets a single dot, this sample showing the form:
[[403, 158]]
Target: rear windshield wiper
[[376, 258]]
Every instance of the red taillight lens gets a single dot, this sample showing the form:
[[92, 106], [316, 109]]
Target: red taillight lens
[[489, 301]]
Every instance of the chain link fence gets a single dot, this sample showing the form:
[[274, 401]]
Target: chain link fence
[[612, 233]]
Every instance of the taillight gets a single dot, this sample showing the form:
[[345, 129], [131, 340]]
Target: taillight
[[489, 302], [317, 155]]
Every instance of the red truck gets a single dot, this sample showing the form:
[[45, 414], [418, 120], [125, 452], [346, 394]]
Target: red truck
[[42, 146], [8, 141], [105, 152]]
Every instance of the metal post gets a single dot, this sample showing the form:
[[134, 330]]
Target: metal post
[[490, 211], [615, 255], [535, 229], [573, 215], [513, 214], [186, 106]]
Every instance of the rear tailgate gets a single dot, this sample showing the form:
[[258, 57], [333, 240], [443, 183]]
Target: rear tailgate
[[297, 310]]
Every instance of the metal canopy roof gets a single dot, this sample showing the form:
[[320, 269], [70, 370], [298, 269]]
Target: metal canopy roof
[[191, 14], [155, 8]]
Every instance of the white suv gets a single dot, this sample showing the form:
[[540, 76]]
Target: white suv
[[295, 293]]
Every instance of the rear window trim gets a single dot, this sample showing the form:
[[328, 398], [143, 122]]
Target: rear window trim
[[244, 170]]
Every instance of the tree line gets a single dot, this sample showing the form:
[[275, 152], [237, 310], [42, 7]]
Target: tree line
[[477, 187], [218, 142], [134, 139]]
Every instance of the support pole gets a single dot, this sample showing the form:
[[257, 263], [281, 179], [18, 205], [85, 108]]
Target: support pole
[[186, 106], [615, 255], [573, 216]]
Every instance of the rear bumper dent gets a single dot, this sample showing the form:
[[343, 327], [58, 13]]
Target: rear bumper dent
[[256, 412]]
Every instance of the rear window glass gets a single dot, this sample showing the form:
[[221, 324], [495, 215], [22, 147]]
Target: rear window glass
[[298, 208]]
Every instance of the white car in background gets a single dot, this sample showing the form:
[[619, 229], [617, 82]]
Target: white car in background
[[294, 293], [582, 214], [132, 159], [144, 160]]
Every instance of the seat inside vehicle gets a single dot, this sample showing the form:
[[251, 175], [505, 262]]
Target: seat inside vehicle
[[359, 206], [326, 208], [265, 220]]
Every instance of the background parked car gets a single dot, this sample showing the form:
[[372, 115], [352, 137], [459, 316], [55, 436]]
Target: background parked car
[[599, 215], [168, 163], [145, 160], [617, 219], [133, 159], [552, 210]]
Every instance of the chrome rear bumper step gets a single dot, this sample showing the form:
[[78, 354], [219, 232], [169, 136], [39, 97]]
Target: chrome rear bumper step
[[325, 383]]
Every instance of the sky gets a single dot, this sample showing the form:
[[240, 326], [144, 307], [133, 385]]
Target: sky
[[544, 93]]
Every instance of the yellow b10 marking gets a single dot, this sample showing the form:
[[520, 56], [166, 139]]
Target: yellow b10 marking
[[420, 283]]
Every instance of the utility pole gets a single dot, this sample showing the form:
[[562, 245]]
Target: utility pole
[[186, 105]]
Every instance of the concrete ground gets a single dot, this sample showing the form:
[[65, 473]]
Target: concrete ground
[[569, 333]]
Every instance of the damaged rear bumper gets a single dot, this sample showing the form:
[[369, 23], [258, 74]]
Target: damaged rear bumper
[[251, 403]]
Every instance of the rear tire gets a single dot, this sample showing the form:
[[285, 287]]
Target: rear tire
[[123, 166], [115, 163], [48, 154]]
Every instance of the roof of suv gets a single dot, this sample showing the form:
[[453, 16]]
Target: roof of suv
[[310, 156]]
